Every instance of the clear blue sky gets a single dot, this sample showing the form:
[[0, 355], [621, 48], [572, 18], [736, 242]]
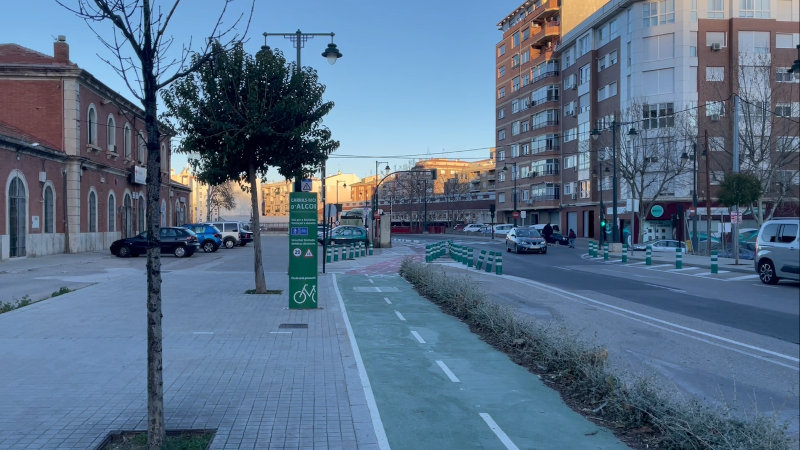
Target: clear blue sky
[[416, 79]]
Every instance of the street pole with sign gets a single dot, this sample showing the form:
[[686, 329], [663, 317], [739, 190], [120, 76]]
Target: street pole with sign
[[302, 250]]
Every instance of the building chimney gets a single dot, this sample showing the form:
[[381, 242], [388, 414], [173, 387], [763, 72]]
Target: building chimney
[[61, 49]]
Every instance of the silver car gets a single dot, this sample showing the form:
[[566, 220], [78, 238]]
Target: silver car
[[777, 252], [525, 239]]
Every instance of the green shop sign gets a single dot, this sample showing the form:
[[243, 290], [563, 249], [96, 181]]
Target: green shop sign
[[302, 250], [657, 211]]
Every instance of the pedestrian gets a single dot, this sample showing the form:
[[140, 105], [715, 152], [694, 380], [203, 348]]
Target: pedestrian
[[571, 236], [547, 232]]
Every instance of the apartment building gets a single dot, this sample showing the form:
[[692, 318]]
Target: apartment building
[[649, 85], [73, 158], [528, 112]]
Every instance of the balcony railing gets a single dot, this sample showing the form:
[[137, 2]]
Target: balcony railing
[[542, 76], [547, 123]]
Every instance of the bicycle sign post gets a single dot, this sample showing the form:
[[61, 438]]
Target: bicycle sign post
[[302, 250]]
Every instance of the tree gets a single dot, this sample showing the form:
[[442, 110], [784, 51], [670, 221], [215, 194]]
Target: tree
[[454, 189], [739, 189], [219, 196], [241, 114], [140, 49]]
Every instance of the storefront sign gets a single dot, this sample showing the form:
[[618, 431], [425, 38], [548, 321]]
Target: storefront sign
[[657, 211], [302, 250]]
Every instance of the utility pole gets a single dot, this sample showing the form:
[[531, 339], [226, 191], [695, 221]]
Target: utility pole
[[708, 192]]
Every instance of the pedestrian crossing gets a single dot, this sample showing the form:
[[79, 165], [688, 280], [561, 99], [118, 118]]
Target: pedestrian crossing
[[692, 271]]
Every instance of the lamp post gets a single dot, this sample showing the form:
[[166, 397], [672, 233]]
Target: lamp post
[[596, 134], [514, 194], [375, 197], [684, 157], [344, 184], [298, 40]]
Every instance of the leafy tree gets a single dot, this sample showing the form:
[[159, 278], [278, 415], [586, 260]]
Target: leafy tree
[[739, 189], [219, 196], [141, 47], [241, 114]]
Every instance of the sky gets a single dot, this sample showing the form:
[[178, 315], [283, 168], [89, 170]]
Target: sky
[[416, 79]]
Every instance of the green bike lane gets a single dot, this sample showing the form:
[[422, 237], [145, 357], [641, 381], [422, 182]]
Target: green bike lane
[[437, 385]]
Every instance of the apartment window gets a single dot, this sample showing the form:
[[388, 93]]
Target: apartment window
[[501, 92], [515, 129], [92, 212], [515, 106], [658, 12], [693, 44], [659, 47], [501, 196], [91, 129], [515, 150], [754, 42], [585, 189], [584, 44], [788, 109], [501, 50], [545, 94], [525, 127], [111, 134], [570, 81], [715, 109], [716, 9], [693, 11], [164, 160], [526, 79], [585, 74], [545, 118], [126, 137], [544, 143], [112, 206], [49, 207], [716, 37], [569, 56], [787, 40], [787, 144], [612, 58], [501, 113], [526, 149], [526, 33], [569, 161], [715, 74], [142, 148], [782, 75], [515, 40], [525, 55], [754, 8], [515, 61], [515, 84], [501, 71], [567, 188], [659, 115], [501, 135], [570, 135]]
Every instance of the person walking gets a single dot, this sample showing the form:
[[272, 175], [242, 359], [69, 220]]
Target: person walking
[[571, 236], [547, 232]]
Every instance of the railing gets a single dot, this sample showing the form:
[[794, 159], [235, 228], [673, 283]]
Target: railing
[[547, 123], [544, 75]]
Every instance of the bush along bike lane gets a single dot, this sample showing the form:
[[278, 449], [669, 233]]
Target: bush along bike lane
[[437, 385]]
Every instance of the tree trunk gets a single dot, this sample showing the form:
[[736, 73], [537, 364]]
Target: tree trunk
[[155, 385], [261, 283]]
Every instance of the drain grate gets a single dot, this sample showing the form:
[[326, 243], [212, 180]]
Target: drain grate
[[293, 325]]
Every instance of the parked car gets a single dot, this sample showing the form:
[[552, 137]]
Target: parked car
[[230, 233], [472, 227], [558, 238], [347, 234], [525, 239], [209, 236], [662, 245], [502, 229], [459, 227], [744, 253], [245, 234], [176, 240], [540, 226], [777, 252]]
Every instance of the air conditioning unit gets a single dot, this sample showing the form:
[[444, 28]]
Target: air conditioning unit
[[716, 46], [714, 117]]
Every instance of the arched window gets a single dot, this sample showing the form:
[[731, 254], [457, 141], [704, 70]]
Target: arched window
[[111, 134], [91, 127], [164, 162], [92, 212], [17, 216], [140, 213], [49, 209], [127, 138], [127, 216], [112, 205], [163, 213], [142, 148]]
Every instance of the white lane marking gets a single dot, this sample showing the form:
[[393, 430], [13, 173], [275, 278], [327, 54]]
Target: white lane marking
[[377, 424], [622, 311], [744, 277], [561, 268], [667, 288], [400, 316], [637, 263], [418, 337], [685, 269], [203, 332], [447, 371], [370, 280], [388, 302], [280, 332], [658, 265], [498, 432]]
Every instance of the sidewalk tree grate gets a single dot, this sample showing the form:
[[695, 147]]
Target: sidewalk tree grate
[[293, 325]]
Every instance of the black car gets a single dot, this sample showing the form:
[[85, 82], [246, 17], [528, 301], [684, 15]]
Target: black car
[[557, 238], [245, 234], [178, 241]]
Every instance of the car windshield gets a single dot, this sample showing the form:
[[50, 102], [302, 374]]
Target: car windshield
[[528, 232]]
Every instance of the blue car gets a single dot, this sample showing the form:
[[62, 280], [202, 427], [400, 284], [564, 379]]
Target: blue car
[[209, 236]]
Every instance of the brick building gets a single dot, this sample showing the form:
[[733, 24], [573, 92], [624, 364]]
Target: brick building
[[72, 158]]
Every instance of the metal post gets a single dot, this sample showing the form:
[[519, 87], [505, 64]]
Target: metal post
[[513, 213], [425, 214], [694, 199], [708, 193], [614, 227]]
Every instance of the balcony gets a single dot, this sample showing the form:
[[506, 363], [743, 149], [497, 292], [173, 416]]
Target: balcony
[[542, 76], [547, 9], [545, 33], [544, 124]]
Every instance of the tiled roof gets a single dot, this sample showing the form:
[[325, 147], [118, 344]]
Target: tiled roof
[[17, 54]]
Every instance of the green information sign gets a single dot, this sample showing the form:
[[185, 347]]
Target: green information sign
[[302, 250], [657, 211]]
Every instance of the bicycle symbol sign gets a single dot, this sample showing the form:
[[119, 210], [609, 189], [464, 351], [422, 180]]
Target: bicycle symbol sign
[[297, 252], [304, 294]]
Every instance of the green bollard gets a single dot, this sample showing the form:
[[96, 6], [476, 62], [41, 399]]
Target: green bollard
[[489, 261], [678, 258], [592, 249], [648, 259], [370, 249], [605, 251], [363, 247], [427, 253], [336, 249], [481, 259], [351, 253], [624, 253], [499, 264], [714, 266], [470, 257], [328, 251]]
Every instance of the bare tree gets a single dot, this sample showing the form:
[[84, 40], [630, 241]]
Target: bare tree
[[140, 54], [768, 124], [454, 190], [219, 196]]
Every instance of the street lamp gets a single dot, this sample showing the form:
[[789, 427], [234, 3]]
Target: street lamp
[[514, 194], [684, 157], [375, 197], [596, 134], [344, 184], [331, 53]]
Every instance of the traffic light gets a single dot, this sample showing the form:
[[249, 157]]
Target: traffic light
[[602, 222]]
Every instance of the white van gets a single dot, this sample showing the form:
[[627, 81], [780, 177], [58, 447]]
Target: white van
[[777, 252], [540, 226]]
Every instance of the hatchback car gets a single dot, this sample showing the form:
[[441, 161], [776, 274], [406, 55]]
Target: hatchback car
[[176, 240], [245, 234], [347, 234], [230, 233], [525, 239], [209, 236], [503, 228], [777, 253], [558, 238], [472, 227], [662, 245]]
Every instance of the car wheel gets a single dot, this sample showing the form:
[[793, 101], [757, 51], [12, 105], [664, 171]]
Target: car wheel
[[124, 251], [766, 272], [508, 248], [180, 251], [229, 242], [209, 246], [544, 252], [516, 248]]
